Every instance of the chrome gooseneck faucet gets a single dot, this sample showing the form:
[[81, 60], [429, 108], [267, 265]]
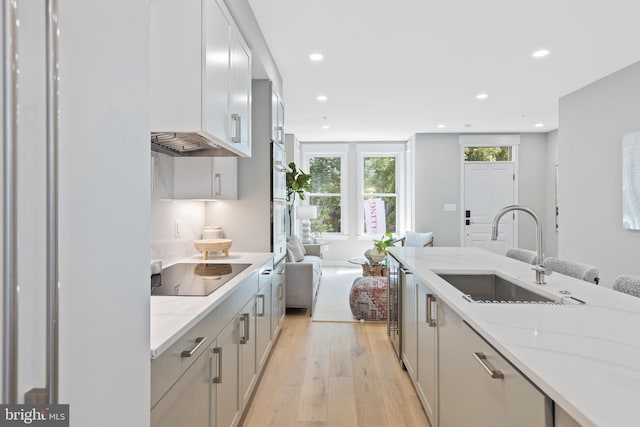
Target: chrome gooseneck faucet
[[539, 269]]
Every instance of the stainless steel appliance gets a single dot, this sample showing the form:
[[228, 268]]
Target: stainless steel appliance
[[278, 202], [193, 279], [394, 297]]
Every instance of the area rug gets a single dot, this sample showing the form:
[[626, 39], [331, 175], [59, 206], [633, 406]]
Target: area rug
[[332, 302]]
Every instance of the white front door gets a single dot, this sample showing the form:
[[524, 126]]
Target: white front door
[[488, 187]]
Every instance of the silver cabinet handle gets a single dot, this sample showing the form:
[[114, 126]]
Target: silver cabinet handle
[[430, 320], [237, 128], [189, 353], [482, 360], [218, 378], [246, 328], [280, 292], [217, 185], [261, 313]]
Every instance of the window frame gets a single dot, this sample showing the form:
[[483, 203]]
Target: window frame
[[330, 150], [397, 151]]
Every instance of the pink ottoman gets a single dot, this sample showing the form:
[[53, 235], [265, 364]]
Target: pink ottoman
[[368, 298]]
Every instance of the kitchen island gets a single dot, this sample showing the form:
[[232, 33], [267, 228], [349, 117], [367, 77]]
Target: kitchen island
[[584, 357]]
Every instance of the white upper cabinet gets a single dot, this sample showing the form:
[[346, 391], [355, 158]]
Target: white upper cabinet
[[240, 93], [200, 73], [207, 178]]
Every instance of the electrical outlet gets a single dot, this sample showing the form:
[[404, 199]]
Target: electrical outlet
[[178, 226]]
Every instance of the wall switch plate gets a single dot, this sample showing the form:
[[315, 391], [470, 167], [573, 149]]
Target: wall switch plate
[[450, 207]]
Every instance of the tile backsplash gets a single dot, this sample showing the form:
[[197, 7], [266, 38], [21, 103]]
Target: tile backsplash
[[168, 215]]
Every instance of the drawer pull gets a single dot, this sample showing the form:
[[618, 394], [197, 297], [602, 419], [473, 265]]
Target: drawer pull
[[430, 320], [246, 331], [261, 298], [482, 360], [199, 342], [218, 379]]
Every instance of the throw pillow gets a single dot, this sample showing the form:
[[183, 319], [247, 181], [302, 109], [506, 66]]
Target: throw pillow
[[417, 239], [296, 241], [295, 252]]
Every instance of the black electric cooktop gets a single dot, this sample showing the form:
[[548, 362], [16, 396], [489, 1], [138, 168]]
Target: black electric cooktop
[[188, 279]]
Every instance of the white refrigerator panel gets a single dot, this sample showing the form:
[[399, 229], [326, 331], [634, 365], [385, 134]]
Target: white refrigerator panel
[[104, 193]]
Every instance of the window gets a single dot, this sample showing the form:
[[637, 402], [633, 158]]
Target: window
[[487, 154], [326, 192], [379, 182]]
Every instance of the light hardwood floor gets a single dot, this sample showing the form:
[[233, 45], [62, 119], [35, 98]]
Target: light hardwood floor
[[333, 374]]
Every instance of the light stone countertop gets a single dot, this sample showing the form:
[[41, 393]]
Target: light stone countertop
[[173, 316], [586, 358]]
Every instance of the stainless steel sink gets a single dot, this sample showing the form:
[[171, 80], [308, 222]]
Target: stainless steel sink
[[493, 289]]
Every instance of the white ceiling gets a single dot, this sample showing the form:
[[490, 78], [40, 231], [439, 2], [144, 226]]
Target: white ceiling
[[394, 68]]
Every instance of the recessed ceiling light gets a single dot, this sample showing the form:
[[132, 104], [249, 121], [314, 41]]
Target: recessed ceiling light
[[316, 57], [440, 126], [539, 125], [482, 96], [540, 53], [321, 98], [325, 126]]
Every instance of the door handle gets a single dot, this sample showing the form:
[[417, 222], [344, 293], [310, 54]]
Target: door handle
[[237, 128], [218, 378], [246, 328], [261, 312], [431, 299]]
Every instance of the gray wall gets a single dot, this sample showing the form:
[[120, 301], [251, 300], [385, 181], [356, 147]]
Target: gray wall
[[437, 160], [532, 186], [550, 234], [437, 181], [592, 122]]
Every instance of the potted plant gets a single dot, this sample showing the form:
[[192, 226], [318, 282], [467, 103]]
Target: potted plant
[[297, 183], [379, 251]]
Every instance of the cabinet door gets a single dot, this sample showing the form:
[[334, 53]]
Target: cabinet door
[[161, 176], [275, 136], [215, 75], [248, 342], [192, 178], [477, 386], [205, 178], [188, 401], [280, 122], [263, 321], [409, 322], [277, 301], [240, 94], [427, 349], [227, 403]]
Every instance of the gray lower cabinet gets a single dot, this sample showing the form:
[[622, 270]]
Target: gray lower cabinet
[[207, 377], [263, 318], [226, 380], [188, 402], [427, 365], [478, 387], [248, 343], [278, 306], [409, 337]]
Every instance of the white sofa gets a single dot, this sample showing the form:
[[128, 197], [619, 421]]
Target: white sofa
[[303, 273]]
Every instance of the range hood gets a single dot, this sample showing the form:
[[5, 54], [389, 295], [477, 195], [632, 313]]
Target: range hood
[[181, 144]]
